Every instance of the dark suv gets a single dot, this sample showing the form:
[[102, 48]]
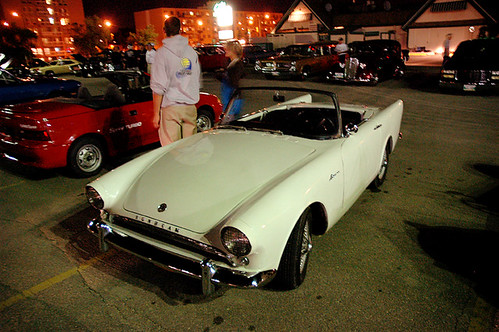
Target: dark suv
[[473, 67]]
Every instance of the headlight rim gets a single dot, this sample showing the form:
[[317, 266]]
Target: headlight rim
[[94, 198], [234, 245]]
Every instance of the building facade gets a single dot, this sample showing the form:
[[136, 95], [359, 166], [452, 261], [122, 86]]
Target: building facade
[[200, 25], [51, 20]]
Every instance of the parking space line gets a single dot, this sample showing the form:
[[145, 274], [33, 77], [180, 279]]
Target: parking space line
[[51, 282]]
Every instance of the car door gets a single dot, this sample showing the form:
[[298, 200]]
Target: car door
[[360, 154], [139, 124]]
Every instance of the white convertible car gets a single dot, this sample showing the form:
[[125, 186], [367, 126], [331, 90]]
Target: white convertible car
[[238, 205]]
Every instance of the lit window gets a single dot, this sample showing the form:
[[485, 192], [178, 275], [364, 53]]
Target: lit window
[[51, 20], [51, 11]]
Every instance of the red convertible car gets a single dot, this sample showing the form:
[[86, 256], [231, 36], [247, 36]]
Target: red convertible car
[[80, 133]]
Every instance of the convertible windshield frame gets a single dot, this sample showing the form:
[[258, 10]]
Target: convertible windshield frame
[[326, 113]]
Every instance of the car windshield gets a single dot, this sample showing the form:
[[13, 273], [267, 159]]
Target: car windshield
[[478, 51], [283, 111], [304, 50]]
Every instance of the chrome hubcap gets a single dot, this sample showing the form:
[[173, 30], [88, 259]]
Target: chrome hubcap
[[89, 158], [203, 123]]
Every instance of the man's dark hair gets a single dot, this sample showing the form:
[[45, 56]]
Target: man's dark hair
[[172, 26]]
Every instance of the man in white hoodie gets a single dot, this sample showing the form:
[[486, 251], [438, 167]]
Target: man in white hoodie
[[175, 82]]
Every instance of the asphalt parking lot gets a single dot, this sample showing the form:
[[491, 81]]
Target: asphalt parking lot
[[421, 255]]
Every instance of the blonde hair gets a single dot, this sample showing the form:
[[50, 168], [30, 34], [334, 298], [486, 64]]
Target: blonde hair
[[235, 47]]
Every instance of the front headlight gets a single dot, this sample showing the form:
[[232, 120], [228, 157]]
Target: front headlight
[[94, 198], [235, 241]]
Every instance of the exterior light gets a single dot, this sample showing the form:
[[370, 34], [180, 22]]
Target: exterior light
[[223, 13], [107, 23], [15, 14]]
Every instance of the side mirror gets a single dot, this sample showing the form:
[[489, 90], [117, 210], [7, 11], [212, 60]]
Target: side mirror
[[351, 129]]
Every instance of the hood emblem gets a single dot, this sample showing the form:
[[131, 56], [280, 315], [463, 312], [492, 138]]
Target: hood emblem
[[162, 207]]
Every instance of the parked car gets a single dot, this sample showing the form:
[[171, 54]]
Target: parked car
[[473, 67], [299, 61], [238, 205], [16, 90], [81, 133], [212, 57], [58, 67], [251, 53], [369, 62]]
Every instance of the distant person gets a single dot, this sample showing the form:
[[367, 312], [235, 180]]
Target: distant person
[[232, 76], [150, 53], [341, 49], [175, 82], [130, 58], [447, 47]]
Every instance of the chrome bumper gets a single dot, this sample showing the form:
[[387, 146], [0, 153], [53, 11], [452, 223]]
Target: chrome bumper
[[206, 270]]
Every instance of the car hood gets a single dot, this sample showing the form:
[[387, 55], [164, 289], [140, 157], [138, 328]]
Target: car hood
[[207, 175]]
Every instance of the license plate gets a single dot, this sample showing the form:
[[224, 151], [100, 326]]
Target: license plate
[[469, 87], [339, 75], [275, 73]]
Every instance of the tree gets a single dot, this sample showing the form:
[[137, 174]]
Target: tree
[[16, 43], [143, 36], [92, 38]]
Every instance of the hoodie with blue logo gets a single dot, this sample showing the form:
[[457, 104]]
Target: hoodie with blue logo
[[176, 72]]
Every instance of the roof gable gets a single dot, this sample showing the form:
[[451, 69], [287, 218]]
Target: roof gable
[[437, 11]]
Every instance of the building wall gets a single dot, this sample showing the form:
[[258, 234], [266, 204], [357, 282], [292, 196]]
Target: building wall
[[199, 25], [51, 21], [432, 39]]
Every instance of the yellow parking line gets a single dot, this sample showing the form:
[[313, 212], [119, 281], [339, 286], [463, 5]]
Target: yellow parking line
[[50, 282]]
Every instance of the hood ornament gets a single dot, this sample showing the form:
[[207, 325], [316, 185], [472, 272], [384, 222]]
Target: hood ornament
[[162, 207]]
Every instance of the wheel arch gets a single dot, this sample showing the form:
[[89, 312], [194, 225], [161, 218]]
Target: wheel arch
[[319, 218], [96, 136], [208, 108]]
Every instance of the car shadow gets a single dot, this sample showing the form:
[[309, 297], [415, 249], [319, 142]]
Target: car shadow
[[28, 172], [83, 247], [471, 253]]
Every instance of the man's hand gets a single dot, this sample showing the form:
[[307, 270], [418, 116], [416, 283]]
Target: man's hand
[[156, 106]]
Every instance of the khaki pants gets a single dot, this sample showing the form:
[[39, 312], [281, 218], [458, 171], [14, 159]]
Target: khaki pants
[[177, 121]]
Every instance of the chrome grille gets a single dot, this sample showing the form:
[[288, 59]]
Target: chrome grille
[[171, 238], [472, 76]]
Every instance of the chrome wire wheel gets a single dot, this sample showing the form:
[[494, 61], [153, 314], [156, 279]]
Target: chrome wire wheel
[[384, 166], [89, 158], [306, 246]]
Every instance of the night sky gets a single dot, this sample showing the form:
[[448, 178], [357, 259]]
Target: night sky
[[121, 12]]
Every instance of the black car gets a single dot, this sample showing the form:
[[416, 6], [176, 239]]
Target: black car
[[369, 62], [251, 53], [473, 67]]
